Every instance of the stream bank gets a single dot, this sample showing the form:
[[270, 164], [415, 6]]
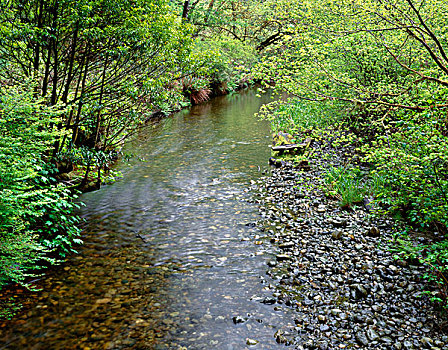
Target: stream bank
[[175, 254], [335, 269]]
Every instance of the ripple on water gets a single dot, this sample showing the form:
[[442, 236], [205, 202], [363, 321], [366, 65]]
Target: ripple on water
[[168, 260]]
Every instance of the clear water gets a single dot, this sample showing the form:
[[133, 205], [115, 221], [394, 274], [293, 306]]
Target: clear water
[[170, 255]]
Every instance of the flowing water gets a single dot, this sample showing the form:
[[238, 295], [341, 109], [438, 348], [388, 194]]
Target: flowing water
[[172, 258]]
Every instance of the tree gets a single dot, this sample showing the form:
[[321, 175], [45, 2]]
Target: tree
[[376, 54], [248, 21], [106, 60], [93, 70]]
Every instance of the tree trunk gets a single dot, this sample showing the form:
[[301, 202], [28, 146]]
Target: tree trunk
[[185, 10], [38, 44], [98, 117], [80, 103]]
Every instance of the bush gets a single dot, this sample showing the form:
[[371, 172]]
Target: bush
[[35, 212], [413, 160]]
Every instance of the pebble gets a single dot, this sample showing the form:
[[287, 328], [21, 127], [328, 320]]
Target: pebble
[[349, 291], [239, 319], [251, 342], [283, 257], [337, 234]]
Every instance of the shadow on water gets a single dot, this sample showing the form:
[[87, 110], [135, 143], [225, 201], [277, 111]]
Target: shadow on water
[[169, 260]]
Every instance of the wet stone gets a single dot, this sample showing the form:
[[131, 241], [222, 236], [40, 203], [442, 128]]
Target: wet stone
[[408, 345], [283, 257], [397, 346], [324, 328], [427, 342], [239, 319], [373, 232], [337, 234], [362, 339], [269, 301], [251, 342], [287, 245], [360, 291], [321, 318]]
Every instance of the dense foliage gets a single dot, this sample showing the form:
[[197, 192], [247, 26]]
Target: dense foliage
[[107, 61], [35, 211], [380, 70]]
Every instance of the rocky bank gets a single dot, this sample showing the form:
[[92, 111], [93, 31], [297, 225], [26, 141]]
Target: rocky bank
[[335, 267]]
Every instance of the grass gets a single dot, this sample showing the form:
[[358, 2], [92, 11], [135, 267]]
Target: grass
[[350, 185]]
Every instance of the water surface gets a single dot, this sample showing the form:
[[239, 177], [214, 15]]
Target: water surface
[[171, 257]]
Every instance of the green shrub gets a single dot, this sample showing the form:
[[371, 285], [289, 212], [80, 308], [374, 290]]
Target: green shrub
[[413, 160], [35, 213]]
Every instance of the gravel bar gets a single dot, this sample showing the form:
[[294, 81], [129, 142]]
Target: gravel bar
[[334, 267]]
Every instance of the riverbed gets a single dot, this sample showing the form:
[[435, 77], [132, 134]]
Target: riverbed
[[172, 257]]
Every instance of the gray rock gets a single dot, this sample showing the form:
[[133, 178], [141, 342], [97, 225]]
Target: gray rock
[[373, 232], [335, 312], [377, 308], [398, 346], [361, 339], [286, 245], [360, 291], [321, 318], [337, 234], [239, 319], [283, 257], [269, 301], [387, 340], [372, 334], [324, 328], [280, 338], [439, 343], [408, 345], [426, 342], [338, 222]]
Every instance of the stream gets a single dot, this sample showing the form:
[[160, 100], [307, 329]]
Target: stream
[[172, 256]]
